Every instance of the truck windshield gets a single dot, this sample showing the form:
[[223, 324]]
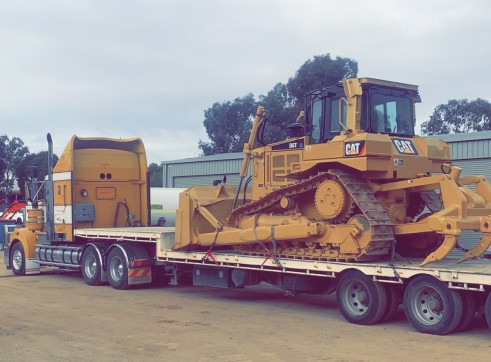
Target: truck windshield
[[391, 112]]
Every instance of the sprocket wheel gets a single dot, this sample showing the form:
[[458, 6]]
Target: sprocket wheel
[[333, 202]]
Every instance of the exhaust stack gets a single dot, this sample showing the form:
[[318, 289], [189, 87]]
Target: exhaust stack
[[50, 215]]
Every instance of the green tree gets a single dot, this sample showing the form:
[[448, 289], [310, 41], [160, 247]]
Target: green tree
[[320, 72], [12, 152], [281, 111], [285, 102], [228, 125], [40, 161], [156, 176], [459, 116]]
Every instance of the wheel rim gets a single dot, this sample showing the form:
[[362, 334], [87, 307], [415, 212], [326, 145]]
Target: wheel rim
[[90, 265], [427, 306], [116, 268], [17, 259], [356, 299]]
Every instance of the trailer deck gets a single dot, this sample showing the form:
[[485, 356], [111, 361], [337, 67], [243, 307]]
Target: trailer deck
[[469, 275]]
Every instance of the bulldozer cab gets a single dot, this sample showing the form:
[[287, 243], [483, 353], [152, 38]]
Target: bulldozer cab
[[360, 105]]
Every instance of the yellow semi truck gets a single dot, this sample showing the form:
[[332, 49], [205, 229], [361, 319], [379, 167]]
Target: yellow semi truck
[[352, 202]]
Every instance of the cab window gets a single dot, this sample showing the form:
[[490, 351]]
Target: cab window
[[391, 114]]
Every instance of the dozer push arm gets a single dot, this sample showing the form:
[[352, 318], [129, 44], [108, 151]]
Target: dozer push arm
[[248, 147]]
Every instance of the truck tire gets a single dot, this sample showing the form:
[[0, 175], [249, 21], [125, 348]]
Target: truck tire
[[91, 267], [394, 299], [360, 299], [469, 308], [117, 269], [487, 310], [431, 307], [18, 259]]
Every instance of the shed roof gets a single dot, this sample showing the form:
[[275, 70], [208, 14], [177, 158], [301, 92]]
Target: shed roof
[[218, 157]]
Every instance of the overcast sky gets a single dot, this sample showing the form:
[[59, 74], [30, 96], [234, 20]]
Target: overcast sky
[[150, 68]]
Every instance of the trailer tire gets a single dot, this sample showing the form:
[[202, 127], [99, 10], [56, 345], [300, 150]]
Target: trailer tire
[[18, 259], [117, 269], [360, 299], [469, 308], [431, 307], [394, 299], [487, 310], [91, 267]]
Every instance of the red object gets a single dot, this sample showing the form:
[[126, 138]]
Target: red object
[[140, 263], [10, 211], [209, 255]]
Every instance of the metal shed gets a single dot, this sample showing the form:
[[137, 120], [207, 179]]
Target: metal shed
[[202, 170], [472, 153]]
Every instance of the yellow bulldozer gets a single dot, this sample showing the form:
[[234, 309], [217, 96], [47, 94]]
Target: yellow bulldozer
[[351, 182]]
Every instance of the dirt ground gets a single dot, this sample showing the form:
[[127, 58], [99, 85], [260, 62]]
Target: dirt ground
[[57, 317]]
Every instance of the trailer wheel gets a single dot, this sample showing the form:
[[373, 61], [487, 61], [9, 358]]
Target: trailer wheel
[[431, 307], [394, 299], [117, 269], [360, 299], [18, 259], [91, 267], [487, 310], [469, 308]]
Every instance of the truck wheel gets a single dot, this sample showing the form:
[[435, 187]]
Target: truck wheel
[[487, 310], [18, 259], [431, 307], [394, 299], [117, 269], [91, 267], [469, 308], [360, 299]]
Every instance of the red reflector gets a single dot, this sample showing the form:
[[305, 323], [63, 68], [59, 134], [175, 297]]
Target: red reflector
[[140, 263]]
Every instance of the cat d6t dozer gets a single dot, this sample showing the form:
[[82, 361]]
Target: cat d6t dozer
[[352, 182]]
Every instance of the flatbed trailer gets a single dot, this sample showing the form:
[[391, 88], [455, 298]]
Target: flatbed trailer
[[438, 298], [312, 236], [470, 275]]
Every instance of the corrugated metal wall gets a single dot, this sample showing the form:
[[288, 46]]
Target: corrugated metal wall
[[472, 153], [202, 170], [188, 181]]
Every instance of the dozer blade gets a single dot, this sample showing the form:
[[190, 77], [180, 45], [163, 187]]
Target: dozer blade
[[479, 249], [442, 251]]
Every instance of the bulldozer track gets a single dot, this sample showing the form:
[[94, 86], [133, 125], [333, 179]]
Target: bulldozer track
[[274, 198], [432, 200], [379, 221]]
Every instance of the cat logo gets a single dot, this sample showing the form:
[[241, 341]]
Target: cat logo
[[352, 149], [404, 146]]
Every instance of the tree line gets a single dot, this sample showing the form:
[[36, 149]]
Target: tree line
[[15, 163], [228, 123]]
